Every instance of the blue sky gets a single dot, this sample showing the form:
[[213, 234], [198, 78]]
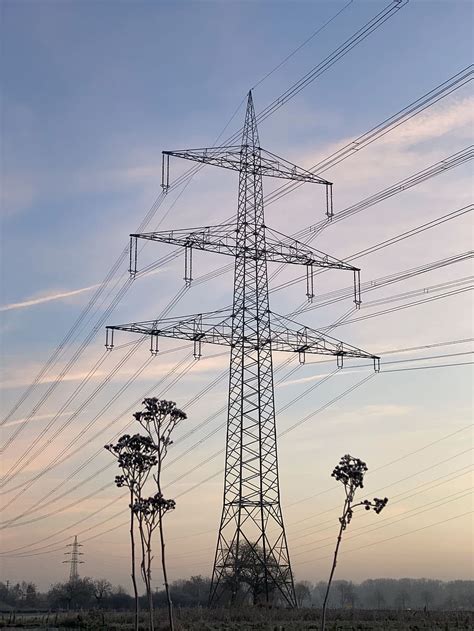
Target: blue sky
[[94, 91]]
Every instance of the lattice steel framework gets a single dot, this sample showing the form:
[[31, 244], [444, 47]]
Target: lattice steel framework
[[74, 560], [251, 519]]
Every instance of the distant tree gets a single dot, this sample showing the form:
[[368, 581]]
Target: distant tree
[[320, 591], [341, 587], [350, 472], [78, 594], [102, 589], [4, 593], [120, 599], [402, 599], [249, 580], [427, 596], [198, 587], [303, 591], [378, 597], [135, 456], [351, 595], [31, 595], [192, 592]]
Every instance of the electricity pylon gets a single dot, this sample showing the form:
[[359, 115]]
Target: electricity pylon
[[252, 522], [73, 560]]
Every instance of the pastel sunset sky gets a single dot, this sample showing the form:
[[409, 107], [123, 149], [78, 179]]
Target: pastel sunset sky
[[92, 93]]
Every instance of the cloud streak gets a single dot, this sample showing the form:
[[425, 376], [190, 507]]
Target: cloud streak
[[30, 302]]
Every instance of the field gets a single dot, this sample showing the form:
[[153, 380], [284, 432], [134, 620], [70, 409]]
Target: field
[[200, 619]]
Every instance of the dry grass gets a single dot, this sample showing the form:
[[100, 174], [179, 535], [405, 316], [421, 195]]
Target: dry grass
[[254, 619]]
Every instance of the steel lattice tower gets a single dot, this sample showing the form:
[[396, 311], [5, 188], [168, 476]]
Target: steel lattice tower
[[252, 522], [74, 560], [251, 490]]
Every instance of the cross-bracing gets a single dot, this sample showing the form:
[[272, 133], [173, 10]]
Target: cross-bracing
[[252, 533]]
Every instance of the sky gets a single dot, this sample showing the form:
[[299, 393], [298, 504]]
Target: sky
[[92, 93]]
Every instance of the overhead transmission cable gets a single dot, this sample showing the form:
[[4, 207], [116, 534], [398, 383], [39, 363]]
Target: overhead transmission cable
[[440, 167], [359, 36], [214, 431], [404, 456], [393, 240], [437, 93], [404, 534], [17, 467], [389, 485], [424, 487], [46, 499], [304, 394]]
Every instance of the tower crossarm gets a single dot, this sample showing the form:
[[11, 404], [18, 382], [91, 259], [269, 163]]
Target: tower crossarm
[[275, 166], [223, 239], [218, 239], [238, 157], [290, 336], [283, 249], [215, 327]]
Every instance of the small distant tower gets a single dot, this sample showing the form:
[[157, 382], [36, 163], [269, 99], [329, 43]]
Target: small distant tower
[[73, 559]]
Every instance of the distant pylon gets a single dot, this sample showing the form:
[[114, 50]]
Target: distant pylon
[[73, 559]]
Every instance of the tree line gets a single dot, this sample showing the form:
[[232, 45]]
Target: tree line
[[382, 593]]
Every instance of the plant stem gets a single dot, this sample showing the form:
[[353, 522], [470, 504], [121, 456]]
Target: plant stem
[[334, 563], [165, 575], [132, 545], [148, 575]]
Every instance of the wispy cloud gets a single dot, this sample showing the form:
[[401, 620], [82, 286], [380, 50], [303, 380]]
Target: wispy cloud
[[37, 417], [61, 295], [48, 298]]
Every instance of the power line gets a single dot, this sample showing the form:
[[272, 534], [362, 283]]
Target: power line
[[416, 512], [422, 488], [332, 297], [415, 303], [45, 498], [388, 464], [438, 93], [448, 161], [213, 432], [59, 460], [17, 467], [298, 48], [359, 36], [430, 367], [425, 101], [40, 503], [410, 532], [386, 486], [299, 521], [454, 214]]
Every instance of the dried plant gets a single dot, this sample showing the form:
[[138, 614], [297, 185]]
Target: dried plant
[[150, 511], [136, 456], [350, 472], [158, 419]]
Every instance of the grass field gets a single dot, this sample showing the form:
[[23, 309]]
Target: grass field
[[201, 619]]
